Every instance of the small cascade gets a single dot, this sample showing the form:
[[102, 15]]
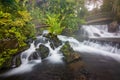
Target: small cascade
[[98, 35], [98, 31], [106, 46], [94, 47], [54, 55], [25, 55], [39, 50], [44, 48]]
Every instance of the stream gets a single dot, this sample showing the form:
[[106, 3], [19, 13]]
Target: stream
[[101, 61]]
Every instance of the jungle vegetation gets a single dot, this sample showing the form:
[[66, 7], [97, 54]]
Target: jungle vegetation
[[15, 28], [59, 14], [18, 19], [112, 6]]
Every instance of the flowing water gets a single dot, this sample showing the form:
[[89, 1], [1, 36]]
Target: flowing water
[[102, 60], [99, 31]]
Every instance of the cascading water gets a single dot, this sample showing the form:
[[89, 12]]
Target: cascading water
[[27, 61], [55, 56], [25, 55], [106, 46], [92, 48], [98, 31]]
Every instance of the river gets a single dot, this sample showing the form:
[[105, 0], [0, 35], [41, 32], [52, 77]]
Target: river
[[101, 63]]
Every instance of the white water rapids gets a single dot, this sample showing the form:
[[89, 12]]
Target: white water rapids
[[55, 56], [99, 31], [81, 47]]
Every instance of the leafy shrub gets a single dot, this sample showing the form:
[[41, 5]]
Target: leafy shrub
[[15, 23], [55, 24]]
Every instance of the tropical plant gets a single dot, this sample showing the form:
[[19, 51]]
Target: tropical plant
[[55, 24], [69, 12]]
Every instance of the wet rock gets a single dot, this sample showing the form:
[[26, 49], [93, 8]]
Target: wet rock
[[43, 51], [52, 46], [97, 35], [113, 27], [69, 53], [28, 41], [40, 40], [53, 39], [37, 42], [16, 61], [34, 56], [12, 62]]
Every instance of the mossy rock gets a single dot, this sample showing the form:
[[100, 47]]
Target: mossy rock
[[69, 53], [53, 40], [43, 51], [40, 40], [12, 62], [16, 61], [34, 56]]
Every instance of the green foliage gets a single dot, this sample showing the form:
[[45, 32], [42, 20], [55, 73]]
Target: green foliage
[[66, 13], [37, 16], [12, 27], [112, 6], [69, 12], [54, 23], [107, 5], [15, 23], [5, 55], [116, 10]]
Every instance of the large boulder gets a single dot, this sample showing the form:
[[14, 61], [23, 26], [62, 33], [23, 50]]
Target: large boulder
[[43, 51], [69, 53], [113, 27]]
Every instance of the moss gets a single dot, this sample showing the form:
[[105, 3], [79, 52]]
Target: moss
[[69, 53], [53, 40], [66, 49]]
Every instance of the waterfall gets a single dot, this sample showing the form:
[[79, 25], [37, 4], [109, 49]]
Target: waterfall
[[28, 62], [25, 55], [55, 56], [106, 46], [100, 38], [98, 31], [93, 47]]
